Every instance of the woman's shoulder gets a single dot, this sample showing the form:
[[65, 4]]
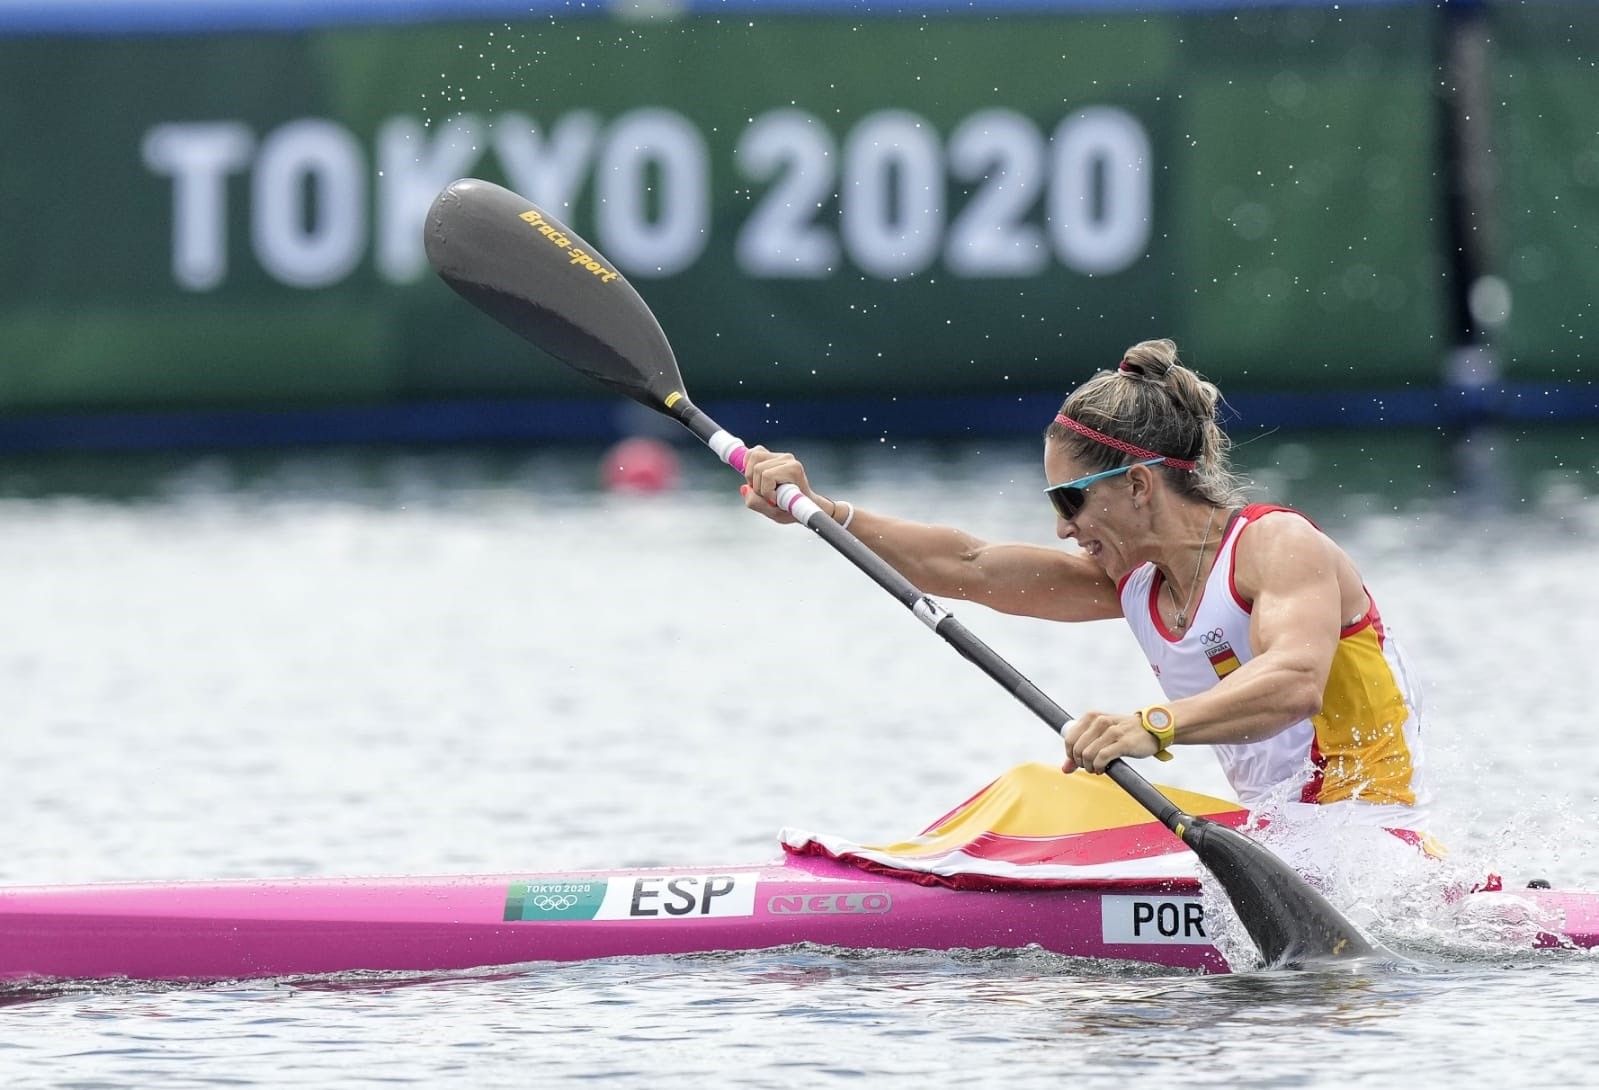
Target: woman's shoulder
[[1251, 513], [1270, 519], [1273, 535]]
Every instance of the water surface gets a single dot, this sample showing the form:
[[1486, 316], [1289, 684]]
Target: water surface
[[332, 663]]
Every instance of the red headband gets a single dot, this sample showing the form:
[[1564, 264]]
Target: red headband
[[1121, 444]]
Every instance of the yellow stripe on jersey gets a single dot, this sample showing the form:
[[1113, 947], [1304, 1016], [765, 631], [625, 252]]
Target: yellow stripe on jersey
[[1360, 732]]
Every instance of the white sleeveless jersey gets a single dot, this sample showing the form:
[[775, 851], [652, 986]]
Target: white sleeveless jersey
[[1364, 744]]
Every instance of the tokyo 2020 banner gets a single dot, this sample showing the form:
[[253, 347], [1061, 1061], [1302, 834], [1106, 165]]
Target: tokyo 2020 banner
[[814, 204]]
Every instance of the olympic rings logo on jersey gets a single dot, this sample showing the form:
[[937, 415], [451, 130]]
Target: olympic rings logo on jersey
[[1213, 637], [545, 903]]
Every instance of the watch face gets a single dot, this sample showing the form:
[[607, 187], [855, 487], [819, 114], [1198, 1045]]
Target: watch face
[[1158, 718]]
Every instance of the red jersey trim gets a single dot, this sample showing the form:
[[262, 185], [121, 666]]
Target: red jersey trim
[[1156, 581], [1246, 516], [1311, 792], [1371, 617], [1235, 526]]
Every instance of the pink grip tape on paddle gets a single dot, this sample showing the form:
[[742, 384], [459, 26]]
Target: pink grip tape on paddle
[[731, 449]]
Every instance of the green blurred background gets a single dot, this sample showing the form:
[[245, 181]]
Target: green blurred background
[[848, 218]]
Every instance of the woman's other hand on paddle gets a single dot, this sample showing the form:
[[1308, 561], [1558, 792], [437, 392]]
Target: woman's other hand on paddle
[[766, 471], [1094, 739]]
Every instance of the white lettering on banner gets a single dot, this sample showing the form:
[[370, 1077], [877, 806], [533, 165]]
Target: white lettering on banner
[[1152, 920], [198, 157], [1099, 202], [1002, 153], [891, 206], [881, 198], [1096, 189], [781, 237], [678, 897], [415, 162], [547, 171], [309, 247], [673, 238]]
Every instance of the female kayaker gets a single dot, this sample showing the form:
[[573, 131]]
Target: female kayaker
[[1258, 626]]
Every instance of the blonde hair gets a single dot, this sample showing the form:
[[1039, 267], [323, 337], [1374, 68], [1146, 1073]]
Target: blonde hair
[[1152, 401]]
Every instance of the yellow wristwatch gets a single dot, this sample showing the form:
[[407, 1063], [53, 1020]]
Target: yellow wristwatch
[[1158, 720]]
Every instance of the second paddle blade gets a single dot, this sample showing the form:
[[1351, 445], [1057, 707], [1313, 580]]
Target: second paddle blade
[[532, 274]]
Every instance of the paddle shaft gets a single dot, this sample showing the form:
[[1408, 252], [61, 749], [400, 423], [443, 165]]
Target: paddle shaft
[[732, 450]]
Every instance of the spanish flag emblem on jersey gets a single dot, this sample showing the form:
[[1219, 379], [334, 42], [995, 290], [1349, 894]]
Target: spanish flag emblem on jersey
[[1222, 659]]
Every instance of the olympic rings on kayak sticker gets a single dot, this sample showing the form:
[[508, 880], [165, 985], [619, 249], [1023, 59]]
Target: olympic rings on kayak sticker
[[632, 897], [545, 903]]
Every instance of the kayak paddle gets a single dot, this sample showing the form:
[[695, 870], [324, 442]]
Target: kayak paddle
[[538, 278]]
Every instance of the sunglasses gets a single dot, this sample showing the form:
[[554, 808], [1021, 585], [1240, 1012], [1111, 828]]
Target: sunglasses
[[1069, 498]]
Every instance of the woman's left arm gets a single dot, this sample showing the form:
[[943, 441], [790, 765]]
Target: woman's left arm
[[1290, 571]]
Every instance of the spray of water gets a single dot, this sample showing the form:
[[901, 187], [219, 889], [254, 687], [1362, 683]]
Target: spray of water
[[1420, 900]]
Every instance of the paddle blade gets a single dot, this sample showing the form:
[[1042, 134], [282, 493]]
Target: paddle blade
[[529, 272], [1291, 923]]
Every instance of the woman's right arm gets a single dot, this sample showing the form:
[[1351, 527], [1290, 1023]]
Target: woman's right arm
[[1026, 580]]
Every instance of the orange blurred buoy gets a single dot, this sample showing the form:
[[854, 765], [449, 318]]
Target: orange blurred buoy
[[639, 464]]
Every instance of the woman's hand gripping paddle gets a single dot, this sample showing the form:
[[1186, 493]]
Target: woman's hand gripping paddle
[[545, 283]]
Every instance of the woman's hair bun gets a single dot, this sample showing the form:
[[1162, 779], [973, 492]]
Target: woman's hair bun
[[1152, 360]]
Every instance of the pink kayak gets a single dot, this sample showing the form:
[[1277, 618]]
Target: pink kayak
[[289, 927], [226, 930], [1034, 859]]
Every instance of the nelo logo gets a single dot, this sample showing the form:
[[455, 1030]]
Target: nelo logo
[[830, 904]]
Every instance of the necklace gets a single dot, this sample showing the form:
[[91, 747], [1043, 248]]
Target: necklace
[[1182, 614]]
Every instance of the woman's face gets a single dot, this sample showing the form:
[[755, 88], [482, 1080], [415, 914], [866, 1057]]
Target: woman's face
[[1101, 525]]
